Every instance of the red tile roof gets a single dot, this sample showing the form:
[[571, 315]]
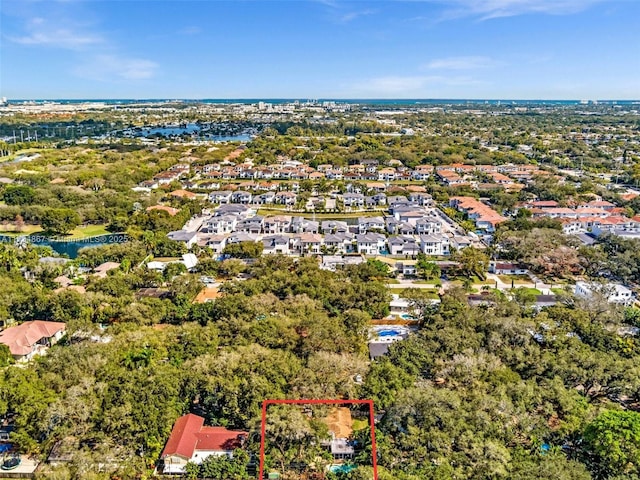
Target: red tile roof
[[22, 338], [189, 434]]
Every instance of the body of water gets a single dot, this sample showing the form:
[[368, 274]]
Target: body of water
[[68, 247], [189, 129]]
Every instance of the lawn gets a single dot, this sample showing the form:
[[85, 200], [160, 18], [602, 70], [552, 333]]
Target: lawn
[[534, 291], [10, 229], [89, 231], [83, 231], [517, 279], [359, 424]]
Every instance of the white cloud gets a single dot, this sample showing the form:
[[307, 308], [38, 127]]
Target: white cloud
[[487, 9], [40, 32], [350, 16], [114, 67], [461, 63]]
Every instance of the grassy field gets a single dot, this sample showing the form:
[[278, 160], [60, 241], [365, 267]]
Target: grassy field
[[82, 231], [534, 291], [359, 424], [517, 279], [434, 283], [10, 229], [89, 231]]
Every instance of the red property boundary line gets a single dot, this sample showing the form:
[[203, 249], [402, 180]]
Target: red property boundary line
[[266, 403]]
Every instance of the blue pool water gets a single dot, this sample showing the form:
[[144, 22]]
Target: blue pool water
[[5, 447], [388, 333], [342, 468], [406, 316]]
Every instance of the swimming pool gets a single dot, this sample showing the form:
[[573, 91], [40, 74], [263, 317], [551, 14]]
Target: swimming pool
[[406, 316], [5, 447], [388, 333], [346, 468]]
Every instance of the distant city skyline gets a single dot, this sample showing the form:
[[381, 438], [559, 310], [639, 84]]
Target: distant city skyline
[[194, 49]]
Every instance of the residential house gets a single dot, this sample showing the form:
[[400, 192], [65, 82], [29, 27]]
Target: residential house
[[164, 208], [241, 197], [217, 243], [507, 268], [392, 224], [397, 200], [459, 243], [238, 237], [420, 198], [411, 217], [253, 225], [407, 267], [403, 245], [307, 243], [277, 224], [31, 338], [276, 244], [183, 194], [484, 216], [406, 228], [264, 198], [368, 224], [285, 198], [613, 292], [436, 244], [603, 204], [387, 174], [334, 226], [209, 186], [340, 425], [302, 225], [220, 225], [333, 262], [241, 211], [220, 197], [188, 238], [192, 441], [370, 243], [102, 269], [377, 200], [420, 175], [428, 225], [341, 242], [353, 200]]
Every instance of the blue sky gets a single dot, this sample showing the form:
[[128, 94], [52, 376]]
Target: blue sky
[[524, 49]]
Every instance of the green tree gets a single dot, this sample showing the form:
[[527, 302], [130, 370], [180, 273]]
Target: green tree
[[5, 356], [612, 443], [18, 195], [244, 249], [427, 269], [473, 261], [60, 220]]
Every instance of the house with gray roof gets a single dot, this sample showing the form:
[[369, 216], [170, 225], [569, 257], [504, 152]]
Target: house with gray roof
[[370, 243], [435, 244]]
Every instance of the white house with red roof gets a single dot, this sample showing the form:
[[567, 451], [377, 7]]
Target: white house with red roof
[[31, 338], [192, 441]]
